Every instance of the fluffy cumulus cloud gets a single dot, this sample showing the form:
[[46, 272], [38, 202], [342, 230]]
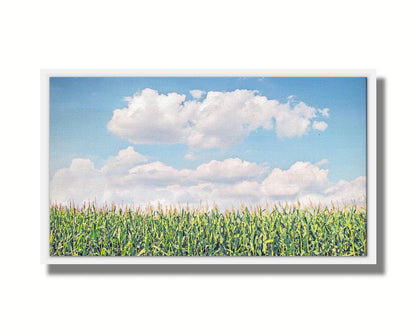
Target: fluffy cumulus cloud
[[125, 159], [231, 170], [197, 93], [129, 178], [324, 112], [219, 120], [80, 182], [343, 190], [301, 177], [319, 125]]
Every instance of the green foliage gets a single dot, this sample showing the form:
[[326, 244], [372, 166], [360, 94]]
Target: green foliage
[[283, 231]]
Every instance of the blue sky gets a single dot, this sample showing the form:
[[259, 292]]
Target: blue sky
[[81, 109]]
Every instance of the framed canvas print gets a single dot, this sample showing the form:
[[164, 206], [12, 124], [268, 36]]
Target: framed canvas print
[[208, 167]]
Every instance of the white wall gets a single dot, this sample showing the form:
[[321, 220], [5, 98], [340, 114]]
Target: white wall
[[213, 34]]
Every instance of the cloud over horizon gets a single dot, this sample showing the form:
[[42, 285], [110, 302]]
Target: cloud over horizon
[[130, 178]]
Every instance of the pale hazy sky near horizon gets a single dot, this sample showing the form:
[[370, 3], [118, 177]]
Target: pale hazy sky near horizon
[[173, 140]]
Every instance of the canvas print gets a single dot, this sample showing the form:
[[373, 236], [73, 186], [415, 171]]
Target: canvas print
[[207, 166]]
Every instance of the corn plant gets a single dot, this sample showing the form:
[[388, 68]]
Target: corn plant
[[285, 230]]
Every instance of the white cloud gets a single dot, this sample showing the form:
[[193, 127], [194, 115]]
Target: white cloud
[[293, 121], [197, 93], [81, 181], [220, 120], [324, 112], [322, 162], [125, 159], [190, 156], [228, 171], [151, 118], [320, 125], [299, 178], [227, 183], [153, 174], [343, 190]]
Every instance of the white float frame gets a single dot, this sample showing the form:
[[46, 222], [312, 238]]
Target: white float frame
[[370, 259]]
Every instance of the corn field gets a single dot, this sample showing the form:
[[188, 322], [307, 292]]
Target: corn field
[[281, 231]]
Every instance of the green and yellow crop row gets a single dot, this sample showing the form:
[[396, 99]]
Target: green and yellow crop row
[[281, 231]]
